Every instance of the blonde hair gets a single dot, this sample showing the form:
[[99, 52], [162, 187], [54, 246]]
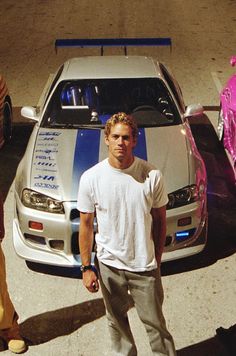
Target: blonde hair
[[123, 118]]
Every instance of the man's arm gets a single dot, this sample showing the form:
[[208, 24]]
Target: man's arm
[[2, 231], [86, 238], [159, 231]]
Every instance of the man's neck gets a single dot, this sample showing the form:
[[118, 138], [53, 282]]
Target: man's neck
[[120, 164]]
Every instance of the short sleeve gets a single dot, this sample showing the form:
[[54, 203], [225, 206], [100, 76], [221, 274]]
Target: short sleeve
[[160, 197], [85, 201]]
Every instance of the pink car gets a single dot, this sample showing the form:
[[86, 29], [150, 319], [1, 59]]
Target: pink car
[[227, 117], [5, 113]]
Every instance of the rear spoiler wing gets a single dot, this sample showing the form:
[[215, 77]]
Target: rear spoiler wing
[[112, 42]]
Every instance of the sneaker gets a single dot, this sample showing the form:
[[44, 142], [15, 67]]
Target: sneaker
[[17, 346], [12, 337]]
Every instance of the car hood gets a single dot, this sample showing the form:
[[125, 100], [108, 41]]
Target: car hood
[[61, 155]]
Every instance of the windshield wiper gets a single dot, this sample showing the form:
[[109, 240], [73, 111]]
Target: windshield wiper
[[61, 125], [91, 126], [77, 126]]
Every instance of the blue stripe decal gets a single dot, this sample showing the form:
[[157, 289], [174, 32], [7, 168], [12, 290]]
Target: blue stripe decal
[[141, 149], [86, 154]]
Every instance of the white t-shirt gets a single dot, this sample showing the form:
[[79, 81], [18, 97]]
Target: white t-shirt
[[123, 199]]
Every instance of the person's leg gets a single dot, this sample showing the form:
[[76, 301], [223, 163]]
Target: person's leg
[[116, 299], [6, 307], [9, 327], [147, 292]]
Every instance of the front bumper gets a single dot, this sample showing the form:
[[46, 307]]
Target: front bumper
[[194, 235], [57, 243]]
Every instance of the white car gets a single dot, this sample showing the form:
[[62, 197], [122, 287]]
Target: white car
[[68, 138]]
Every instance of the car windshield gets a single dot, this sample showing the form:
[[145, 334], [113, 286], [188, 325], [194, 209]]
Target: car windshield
[[91, 102]]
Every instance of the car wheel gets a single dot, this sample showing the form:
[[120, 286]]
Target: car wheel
[[7, 122], [220, 127]]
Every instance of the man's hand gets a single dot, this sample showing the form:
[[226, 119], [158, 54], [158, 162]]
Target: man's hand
[[159, 231], [90, 281]]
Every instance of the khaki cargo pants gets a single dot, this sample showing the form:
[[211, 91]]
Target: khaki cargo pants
[[147, 294]]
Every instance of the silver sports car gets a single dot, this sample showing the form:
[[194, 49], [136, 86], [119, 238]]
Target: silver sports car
[[68, 138]]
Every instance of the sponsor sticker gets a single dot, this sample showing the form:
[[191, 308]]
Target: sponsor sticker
[[46, 185], [45, 177], [44, 157], [50, 133], [47, 144], [45, 164], [47, 151]]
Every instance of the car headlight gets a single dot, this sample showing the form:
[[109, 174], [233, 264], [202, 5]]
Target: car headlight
[[186, 195], [38, 201]]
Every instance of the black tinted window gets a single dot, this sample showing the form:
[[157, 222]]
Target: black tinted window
[[93, 101], [171, 85]]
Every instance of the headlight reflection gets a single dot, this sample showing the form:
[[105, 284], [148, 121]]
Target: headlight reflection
[[184, 196], [38, 201]]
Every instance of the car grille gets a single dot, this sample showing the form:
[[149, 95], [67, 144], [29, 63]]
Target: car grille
[[74, 243], [35, 239], [74, 214]]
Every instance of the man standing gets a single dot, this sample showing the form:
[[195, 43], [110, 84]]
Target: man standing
[[129, 198], [9, 328]]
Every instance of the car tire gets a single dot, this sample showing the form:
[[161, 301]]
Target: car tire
[[220, 126], [7, 121]]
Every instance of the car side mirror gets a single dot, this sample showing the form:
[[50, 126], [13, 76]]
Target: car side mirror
[[29, 112], [193, 110]]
